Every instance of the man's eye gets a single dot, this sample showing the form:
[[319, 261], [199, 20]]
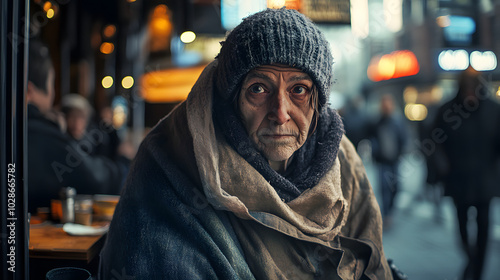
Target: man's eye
[[299, 90], [257, 89]]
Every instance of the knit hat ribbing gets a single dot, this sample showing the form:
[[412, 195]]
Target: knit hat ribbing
[[274, 37]]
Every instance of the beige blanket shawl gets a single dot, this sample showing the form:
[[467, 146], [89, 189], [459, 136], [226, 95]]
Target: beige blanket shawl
[[294, 240]]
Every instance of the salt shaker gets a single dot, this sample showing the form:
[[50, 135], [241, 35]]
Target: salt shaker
[[68, 204]]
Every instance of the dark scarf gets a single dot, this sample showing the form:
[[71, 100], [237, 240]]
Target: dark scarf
[[309, 164]]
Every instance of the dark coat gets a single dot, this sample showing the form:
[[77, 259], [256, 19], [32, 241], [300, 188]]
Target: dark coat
[[471, 148], [388, 139], [56, 161]]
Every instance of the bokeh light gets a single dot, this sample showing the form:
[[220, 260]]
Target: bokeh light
[[276, 4], [416, 112], [188, 37], [127, 82], [107, 48], [109, 31], [50, 13], [47, 6], [107, 82]]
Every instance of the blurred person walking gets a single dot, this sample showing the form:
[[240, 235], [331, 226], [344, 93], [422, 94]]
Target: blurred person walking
[[435, 162], [388, 137], [471, 144], [355, 120]]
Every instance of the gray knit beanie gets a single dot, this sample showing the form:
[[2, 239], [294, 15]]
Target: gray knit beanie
[[274, 36]]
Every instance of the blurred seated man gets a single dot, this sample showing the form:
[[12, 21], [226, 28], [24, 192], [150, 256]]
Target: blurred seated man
[[54, 161], [97, 139], [77, 112]]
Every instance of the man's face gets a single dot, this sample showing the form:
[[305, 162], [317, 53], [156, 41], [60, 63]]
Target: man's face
[[275, 105], [46, 99], [43, 98], [76, 121]]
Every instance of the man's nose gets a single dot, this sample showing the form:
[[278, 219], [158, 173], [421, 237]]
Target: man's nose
[[280, 107]]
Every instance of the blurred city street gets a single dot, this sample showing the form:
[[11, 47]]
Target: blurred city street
[[424, 243]]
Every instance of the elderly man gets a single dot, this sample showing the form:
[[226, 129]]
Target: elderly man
[[77, 112], [96, 139], [251, 177]]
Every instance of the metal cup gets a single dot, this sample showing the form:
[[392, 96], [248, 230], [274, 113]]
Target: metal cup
[[68, 204]]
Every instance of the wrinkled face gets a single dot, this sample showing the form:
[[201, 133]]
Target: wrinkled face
[[275, 105]]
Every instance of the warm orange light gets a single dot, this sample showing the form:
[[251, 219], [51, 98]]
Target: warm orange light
[[289, 4], [107, 48], [387, 66], [160, 25], [160, 29], [443, 21], [169, 85], [47, 6], [160, 10], [407, 64], [109, 31], [293, 4], [275, 4], [394, 65], [373, 73]]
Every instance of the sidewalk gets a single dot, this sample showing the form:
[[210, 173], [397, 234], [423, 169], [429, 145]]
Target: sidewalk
[[423, 246]]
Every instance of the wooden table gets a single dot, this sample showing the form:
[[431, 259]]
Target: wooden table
[[52, 242], [51, 247]]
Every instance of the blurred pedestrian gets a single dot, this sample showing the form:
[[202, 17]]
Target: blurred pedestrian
[[435, 162], [388, 137], [470, 135], [54, 160], [355, 121], [251, 177]]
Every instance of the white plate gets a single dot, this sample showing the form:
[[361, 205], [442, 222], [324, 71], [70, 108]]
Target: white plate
[[76, 229]]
